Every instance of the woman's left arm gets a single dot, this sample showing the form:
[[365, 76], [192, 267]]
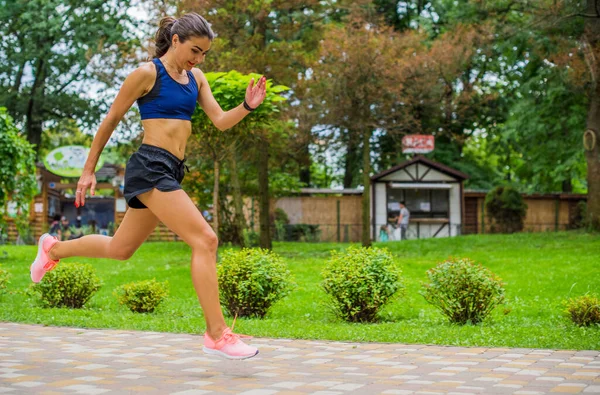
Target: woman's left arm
[[223, 120]]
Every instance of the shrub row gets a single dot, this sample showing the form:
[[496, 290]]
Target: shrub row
[[358, 281], [73, 284]]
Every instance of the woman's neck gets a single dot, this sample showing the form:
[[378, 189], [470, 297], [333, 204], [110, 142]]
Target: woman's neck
[[171, 64]]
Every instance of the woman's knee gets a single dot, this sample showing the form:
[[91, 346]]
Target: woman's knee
[[120, 252], [206, 240]]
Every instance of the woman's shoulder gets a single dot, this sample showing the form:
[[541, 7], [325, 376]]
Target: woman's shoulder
[[197, 72], [199, 76], [147, 69], [144, 75], [144, 72]]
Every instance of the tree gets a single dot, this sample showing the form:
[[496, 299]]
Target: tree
[[17, 174], [229, 90], [590, 41], [561, 41], [549, 143], [358, 78], [53, 51]]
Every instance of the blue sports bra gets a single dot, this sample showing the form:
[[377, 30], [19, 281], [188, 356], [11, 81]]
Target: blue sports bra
[[168, 98]]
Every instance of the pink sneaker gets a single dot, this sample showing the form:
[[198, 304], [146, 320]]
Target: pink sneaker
[[42, 263], [229, 346]]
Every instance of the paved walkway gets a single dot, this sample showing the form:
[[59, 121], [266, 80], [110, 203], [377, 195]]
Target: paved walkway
[[50, 360]]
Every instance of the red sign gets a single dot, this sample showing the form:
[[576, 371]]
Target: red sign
[[417, 144]]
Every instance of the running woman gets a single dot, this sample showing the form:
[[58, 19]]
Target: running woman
[[166, 90]]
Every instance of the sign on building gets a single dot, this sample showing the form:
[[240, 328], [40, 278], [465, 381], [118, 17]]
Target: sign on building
[[417, 144], [68, 161]]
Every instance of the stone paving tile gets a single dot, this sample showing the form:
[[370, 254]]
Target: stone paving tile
[[54, 360]]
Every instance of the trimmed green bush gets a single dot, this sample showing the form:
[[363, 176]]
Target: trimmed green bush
[[360, 281], [142, 296], [464, 292], [4, 277], [251, 281], [69, 285], [506, 207], [584, 310]]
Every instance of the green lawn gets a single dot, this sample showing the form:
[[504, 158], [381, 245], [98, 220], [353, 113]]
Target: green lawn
[[540, 271]]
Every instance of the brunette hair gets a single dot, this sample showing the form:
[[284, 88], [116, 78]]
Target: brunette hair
[[189, 25]]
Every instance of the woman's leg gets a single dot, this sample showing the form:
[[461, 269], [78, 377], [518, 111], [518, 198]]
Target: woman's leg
[[136, 226], [177, 211]]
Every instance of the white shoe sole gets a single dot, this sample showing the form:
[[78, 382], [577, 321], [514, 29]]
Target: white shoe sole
[[42, 238], [227, 356]]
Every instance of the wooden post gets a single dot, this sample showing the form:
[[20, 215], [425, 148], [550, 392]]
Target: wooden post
[[556, 213], [44, 218], [483, 216], [338, 222]]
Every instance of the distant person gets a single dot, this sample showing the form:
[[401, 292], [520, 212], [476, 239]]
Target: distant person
[[64, 227], [384, 234], [403, 220], [92, 224], [55, 229], [78, 232]]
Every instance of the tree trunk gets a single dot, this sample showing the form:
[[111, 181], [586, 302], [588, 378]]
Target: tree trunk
[[351, 160], [12, 106], [592, 153], [366, 200], [216, 199], [238, 203], [304, 162], [263, 194], [593, 160], [33, 116]]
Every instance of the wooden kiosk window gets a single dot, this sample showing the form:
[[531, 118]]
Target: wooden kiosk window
[[422, 202]]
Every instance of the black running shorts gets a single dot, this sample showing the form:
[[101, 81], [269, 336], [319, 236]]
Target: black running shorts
[[151, 167]]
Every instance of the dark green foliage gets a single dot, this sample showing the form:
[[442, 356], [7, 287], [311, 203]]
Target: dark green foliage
[[360, 281], [584, 310], [50, 47], [546, 122], [464, 292], [142, 296], [17, 174], [577, 218], [251, 281], [279, 220], [69, 285], [280, 216], [506, 207], [297, 232], [251, 238]]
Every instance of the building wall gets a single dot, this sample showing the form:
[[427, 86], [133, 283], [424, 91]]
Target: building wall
[[549, 212], [322, 211], [455, 211], [380, 206]]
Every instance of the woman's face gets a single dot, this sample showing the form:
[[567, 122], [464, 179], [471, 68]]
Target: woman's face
[[191, 52]]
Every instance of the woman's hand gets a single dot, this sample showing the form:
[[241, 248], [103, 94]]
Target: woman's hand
[[255, 93], [87, 180]]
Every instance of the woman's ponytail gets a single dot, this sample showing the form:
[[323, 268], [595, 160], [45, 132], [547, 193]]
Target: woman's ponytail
[[162, 38]]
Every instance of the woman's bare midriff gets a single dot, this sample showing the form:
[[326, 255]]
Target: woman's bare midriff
[[169, 134]]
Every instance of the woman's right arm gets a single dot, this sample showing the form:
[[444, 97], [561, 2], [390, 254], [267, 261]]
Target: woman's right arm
[[136, 84]]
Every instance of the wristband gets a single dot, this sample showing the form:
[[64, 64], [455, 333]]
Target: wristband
[[247, 107]]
